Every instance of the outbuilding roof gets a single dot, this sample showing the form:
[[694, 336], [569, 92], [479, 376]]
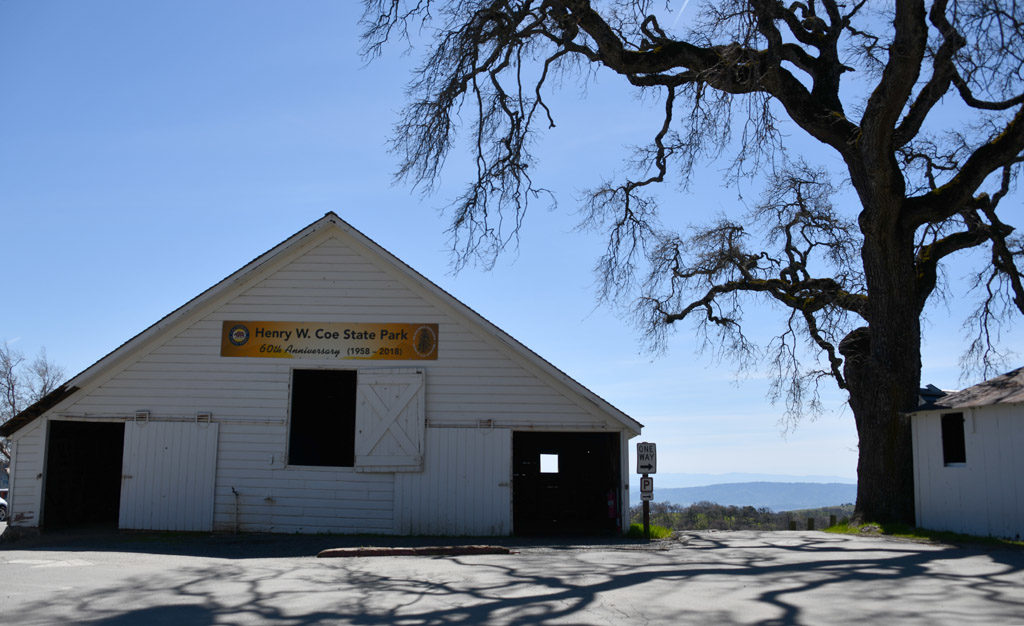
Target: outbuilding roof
[[329, 221], [1007, 388]]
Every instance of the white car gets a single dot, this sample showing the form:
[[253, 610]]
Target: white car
[[3, 510]]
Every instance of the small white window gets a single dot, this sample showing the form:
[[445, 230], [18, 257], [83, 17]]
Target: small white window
[[549, 464]]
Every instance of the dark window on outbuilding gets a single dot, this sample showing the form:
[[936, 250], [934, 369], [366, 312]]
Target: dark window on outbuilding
[[323, 420], [954, 449]]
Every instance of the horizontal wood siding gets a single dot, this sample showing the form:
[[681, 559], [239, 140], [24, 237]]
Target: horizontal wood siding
[[985, 495], [257, 492], [26, 488], [474, 378], [464, 488]]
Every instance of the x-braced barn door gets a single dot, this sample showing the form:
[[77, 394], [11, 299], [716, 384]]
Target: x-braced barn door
[[390, 421]]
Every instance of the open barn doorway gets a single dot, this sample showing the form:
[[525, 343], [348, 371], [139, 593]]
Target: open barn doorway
[[565, 483], [83, 474]]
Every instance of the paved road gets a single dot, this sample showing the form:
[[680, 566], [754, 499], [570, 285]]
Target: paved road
[[706, 577]]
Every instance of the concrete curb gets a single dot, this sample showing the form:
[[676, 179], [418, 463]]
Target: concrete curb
[[421, 551]]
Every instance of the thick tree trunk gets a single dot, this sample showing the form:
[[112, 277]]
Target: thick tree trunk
[[883, 372], [885, 486]]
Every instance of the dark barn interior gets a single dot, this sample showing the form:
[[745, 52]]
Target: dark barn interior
[[83, 474], [579, 497]]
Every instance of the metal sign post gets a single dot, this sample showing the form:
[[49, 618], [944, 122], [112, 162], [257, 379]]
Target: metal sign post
[[647, 520], [646, 463]]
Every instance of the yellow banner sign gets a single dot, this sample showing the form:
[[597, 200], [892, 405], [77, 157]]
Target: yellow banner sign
[[331, 340]]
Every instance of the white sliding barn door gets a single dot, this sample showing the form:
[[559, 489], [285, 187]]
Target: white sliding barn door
[[168, 476], [390, 421], [464, 488]]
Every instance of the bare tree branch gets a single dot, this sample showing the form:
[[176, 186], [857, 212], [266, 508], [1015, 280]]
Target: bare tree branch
[[916, 105], [22, 384]]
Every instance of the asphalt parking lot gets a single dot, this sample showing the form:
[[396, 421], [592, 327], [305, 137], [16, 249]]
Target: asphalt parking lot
[[701, 577]]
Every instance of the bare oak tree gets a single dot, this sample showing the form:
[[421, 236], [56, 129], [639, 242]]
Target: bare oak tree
[[922, 102], [23, 383]]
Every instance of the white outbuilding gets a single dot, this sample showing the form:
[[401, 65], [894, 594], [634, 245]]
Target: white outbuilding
[[324, 387], [969, 459]]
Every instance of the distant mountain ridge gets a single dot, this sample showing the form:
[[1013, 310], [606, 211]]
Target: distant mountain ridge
[[675, 479], [776, 496]]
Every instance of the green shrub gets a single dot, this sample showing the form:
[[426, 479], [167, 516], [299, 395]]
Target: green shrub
[[636, 531], [708, 515]]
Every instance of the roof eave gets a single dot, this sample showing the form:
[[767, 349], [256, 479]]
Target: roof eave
[[329, 219], [41, 406]]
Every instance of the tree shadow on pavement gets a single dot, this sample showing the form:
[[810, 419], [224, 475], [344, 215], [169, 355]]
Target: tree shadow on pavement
[[769, 578]]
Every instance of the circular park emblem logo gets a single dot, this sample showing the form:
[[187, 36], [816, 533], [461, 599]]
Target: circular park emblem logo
[[238, 335], [424, 341]]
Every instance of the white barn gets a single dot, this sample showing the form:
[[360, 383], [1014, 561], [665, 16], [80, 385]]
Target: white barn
[[968, 460], [324, 387]]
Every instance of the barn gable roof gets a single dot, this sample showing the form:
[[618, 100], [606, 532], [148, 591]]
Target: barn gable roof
[[330, 221], [1007, 388]]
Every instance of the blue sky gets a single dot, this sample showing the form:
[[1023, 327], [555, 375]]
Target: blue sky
[[148, 150]]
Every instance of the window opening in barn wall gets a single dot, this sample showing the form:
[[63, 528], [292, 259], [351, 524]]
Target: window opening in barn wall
[[954, 448], [548, 463], [323, 418], [581, 497], [82, 484]]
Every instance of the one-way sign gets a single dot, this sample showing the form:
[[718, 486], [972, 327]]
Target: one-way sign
[[646, 458]]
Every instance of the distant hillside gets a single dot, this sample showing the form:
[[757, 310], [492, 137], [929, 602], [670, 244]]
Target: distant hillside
[[770, 495], [675, 479]]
